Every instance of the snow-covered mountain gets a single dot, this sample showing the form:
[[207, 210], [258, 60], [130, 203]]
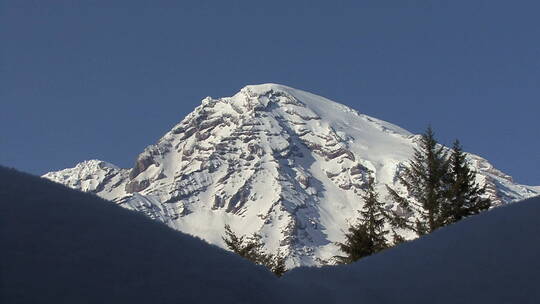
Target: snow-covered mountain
[[271, 159]]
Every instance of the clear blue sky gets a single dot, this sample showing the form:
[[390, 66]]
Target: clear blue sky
[[103, 79]]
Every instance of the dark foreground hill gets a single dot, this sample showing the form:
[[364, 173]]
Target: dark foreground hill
[[64, 246], [490, 258]]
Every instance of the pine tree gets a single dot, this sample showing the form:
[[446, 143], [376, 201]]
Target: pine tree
[[357, 245], [369, 235], [374, 216], [465, 196], [251, 248], [426, 179], [233, 242]]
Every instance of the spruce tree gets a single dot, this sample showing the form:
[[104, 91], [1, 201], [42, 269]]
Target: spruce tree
[[374, 216], [369, 235], [426, 179], [233, 242], [465, 196], [357, 245]]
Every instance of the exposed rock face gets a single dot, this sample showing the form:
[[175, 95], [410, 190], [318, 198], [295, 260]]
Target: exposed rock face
[[285, 163]]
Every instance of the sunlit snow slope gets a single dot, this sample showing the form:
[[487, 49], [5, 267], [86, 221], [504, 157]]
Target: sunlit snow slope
[[271, 159]]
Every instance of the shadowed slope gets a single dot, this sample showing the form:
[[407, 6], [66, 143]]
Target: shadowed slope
[[490, 258], [64, 246]]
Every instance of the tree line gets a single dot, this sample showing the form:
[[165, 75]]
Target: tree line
[[441, 190], [251, 248]]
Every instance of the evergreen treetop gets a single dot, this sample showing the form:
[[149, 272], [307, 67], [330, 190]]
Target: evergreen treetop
[[441, 187], [357, 245], [368, 236], [374, 216], [465, 196], [426, 180]]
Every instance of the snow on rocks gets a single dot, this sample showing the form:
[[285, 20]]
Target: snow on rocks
[[281, 162]]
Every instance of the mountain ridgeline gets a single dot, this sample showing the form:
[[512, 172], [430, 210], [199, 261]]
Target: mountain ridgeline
[[279, 162]]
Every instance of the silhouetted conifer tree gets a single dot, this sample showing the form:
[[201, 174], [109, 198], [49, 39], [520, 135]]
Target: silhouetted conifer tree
[[369, 235], [426, 179], [465, 196], [357, 245]]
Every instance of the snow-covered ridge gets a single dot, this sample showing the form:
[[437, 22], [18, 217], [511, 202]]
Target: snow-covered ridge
[[330, 110], [93, 176], [271, 159]]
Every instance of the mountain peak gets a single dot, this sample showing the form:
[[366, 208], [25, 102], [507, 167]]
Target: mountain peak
[[273, 160], [98, 163], [263, 88]]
